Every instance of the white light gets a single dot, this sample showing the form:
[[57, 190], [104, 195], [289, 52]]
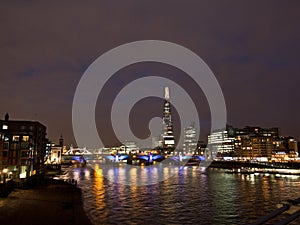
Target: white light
[[23, 175]]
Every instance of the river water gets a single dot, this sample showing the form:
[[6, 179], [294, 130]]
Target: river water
[[192, 195]]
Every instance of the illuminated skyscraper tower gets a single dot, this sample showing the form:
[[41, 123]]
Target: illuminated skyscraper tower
[[168, 139], [190, 139]]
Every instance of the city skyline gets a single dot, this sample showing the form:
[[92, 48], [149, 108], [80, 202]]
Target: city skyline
[[251, 47]]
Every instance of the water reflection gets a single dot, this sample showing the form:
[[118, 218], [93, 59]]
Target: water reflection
[[136, 175], [99, 189], [191, 196]]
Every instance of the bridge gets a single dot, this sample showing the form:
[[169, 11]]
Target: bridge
[[76, 155], [148, 159], [78, 151], [83, 155]]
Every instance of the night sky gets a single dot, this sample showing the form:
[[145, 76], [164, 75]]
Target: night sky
[[252, 47]]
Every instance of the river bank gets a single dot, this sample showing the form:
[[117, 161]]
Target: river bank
[[52, 202], [244, 164]]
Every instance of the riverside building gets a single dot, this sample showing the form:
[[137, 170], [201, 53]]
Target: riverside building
[[23, 147], [252, 143], [285, 149], [255, 142], [221, 142]]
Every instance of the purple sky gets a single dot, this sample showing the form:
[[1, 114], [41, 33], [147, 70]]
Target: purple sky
[[253, 48]]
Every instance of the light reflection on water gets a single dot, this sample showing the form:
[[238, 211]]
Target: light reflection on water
[[137, 175], [191, 196]]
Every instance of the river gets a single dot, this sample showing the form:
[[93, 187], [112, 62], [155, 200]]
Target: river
[[192, 195]]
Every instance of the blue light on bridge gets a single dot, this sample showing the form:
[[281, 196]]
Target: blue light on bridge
[[201, 158], [155, 157], [144, 157], [186, 157], [150, 157], [110, 157], [116, 158], [122, 157]]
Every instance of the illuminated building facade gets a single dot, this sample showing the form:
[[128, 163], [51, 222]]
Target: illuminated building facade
[[221, 142], [285, 149], [129, 147], [168, 139], [54, 152], [252, 142], [24, 146], [190, 139]]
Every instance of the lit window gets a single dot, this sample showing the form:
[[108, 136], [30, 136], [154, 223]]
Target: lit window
[[25, 138], [4, 127], [16, 138]]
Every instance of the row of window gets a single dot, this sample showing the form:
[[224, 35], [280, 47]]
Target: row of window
[[24, 154], [16, 146], [5, 127], [18, 138]]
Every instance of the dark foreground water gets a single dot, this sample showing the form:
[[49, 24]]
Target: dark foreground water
[[192, 196]]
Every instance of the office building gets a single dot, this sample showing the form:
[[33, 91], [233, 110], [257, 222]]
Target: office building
[[253, 142], [190, 139], [168, 139], [221, 142]]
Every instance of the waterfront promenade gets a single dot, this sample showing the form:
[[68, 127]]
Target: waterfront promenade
[[54, 202]]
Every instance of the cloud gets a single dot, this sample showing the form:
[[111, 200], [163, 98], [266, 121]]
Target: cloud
[[252, 47]]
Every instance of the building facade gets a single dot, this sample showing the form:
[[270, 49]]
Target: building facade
[[129, 147], [55, 151], [250, 143], [24, 146], [221, 142], [190, 139], [253, 142], [168, 139], [285, 149]]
